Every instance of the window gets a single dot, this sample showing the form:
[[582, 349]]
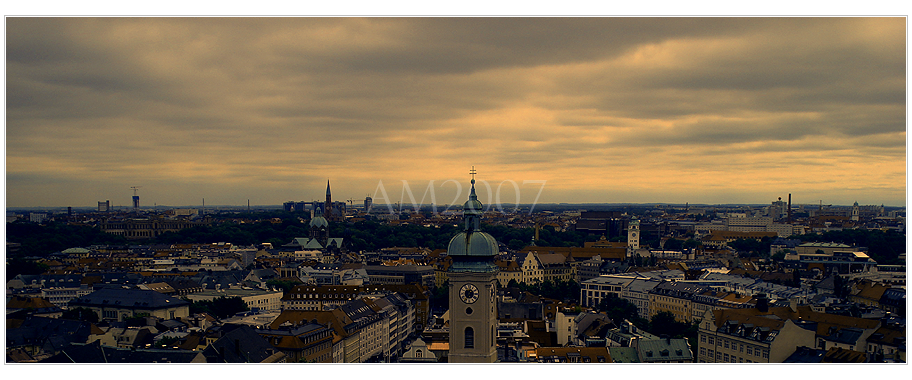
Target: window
[[711, 340], [469, 338], [742, 348], [702, 338], [725, 343], [750, 350]]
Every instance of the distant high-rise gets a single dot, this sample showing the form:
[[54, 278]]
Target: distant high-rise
[[790, 209], [368, 203], [292, 206], [104, 206], [135, 198]]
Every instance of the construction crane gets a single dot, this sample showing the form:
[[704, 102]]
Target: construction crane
[[135, 197]]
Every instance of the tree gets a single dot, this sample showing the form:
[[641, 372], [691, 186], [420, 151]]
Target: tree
[[282, 284], [842, 287], [166, 342], [619, 309], [691, 243], [222, 307], [17, 266], [779, 256], [664, 323], [440, 297], [674, 245], [42, 240], [516, 244]]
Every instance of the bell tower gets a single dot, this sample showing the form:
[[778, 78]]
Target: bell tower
[[473, 291], [633, 236]]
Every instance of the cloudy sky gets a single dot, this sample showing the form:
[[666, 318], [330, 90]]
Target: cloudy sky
[[699, 110]]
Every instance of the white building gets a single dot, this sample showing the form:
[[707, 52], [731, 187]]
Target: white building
[[594, 290], [256, 299]]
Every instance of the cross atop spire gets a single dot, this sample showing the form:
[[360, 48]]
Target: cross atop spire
[[473, 172]]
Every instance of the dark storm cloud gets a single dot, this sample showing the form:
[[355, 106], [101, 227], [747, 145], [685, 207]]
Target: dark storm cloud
[[287, 102]]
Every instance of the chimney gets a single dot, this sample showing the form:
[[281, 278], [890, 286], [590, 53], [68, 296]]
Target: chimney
[[790, 209], [762, 302]]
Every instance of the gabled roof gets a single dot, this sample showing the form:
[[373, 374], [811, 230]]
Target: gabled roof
[[871, 290], [887, 335], [508, 265], [128, 298], [50, 333], [664, 349], [593, 324], [842, 355], [313, 244], [775, 318], [552, 258], [624, 355], [335, 318], [805, 355], [242, 344], [36, 303]]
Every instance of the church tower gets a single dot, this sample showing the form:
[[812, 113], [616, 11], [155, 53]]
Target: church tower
[[473, 292], [328, 206], [319, 228], [633, 236], [855, 212]]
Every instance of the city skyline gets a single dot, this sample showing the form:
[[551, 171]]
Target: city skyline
[[603, 110]]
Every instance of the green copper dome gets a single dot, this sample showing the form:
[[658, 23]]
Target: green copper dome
[[318, 221], [475, 244]]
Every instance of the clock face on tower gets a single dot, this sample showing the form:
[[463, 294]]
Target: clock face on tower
[[468, 293]]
